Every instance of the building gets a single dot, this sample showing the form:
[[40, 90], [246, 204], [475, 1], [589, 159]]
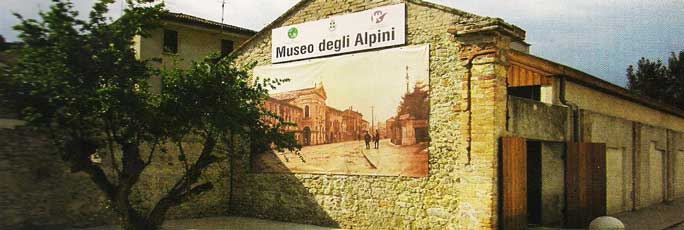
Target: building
[[288, 113], [183, 39], [317, 123], [355, 125], [515, 139], [407, 130]]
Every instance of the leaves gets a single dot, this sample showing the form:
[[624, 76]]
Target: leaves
[[415, 103], [217, 98], [79, 81], [654, 79]]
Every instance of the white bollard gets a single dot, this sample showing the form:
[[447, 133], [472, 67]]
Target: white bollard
[[606, 223]]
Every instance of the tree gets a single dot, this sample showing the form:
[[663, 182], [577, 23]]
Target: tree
[[664, 83], [415, 103], [78, 81]]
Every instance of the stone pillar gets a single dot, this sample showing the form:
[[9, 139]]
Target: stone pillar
[[483, 56]]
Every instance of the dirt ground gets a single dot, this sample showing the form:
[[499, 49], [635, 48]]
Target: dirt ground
[[224, 223], [349, 157]]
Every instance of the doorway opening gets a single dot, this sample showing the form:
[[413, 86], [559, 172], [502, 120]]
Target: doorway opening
[[534, 183]]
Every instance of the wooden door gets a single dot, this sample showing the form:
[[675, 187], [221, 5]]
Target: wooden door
[[513, 183], [585, 181]]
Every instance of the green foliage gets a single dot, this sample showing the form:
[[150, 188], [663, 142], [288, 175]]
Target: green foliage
[[79, 81], [664, 83], [416, 102], [216, 97], [78, 78]]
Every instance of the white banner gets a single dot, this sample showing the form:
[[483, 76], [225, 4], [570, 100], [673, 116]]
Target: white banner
[[370, 29]]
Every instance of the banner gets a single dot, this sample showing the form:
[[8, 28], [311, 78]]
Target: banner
[[364, 113], [370, 29]]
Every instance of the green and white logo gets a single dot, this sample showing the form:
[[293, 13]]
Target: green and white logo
[[292, 33]]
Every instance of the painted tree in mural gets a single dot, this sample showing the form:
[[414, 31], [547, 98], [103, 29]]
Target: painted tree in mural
[[415, 102], [654, 79], [79, 82]]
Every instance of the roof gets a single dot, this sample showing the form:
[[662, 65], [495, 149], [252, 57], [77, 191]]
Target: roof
[[590, 81], [197, 21], [283, 102], [289, 95], [303, 3]]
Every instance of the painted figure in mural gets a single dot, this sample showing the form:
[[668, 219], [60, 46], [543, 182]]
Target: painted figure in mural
[[367, 139], [376, 139]]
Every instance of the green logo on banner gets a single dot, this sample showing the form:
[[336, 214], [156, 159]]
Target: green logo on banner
[[292, 33]]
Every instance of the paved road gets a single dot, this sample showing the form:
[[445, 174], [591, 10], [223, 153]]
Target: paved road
[[350, 157]]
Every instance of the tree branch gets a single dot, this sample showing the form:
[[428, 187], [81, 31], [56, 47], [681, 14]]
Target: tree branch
[[110, 144], [157, 213], [181, 190], [149, 156]]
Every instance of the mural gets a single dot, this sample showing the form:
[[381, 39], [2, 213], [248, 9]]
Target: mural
[[363, 114]]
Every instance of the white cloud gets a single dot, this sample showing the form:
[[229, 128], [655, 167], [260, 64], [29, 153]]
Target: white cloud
[[600, 37]]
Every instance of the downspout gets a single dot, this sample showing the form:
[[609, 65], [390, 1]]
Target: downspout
[[573, 107], [573, 138], [469, 76]]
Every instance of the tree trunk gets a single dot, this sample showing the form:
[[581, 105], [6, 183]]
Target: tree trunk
[[183, 190], [136, 222]]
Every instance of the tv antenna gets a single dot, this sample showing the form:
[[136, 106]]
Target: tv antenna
[[223, 8]]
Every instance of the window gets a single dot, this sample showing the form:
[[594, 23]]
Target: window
[[226, 47], [528, 92], [170, 41], [306, 111]]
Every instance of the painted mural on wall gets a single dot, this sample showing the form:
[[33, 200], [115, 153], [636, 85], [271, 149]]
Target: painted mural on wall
[[357, 114]]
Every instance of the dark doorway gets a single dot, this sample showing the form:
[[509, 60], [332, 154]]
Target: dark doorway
[[534, 183], [527, 92], [307, 136], [421, 135]]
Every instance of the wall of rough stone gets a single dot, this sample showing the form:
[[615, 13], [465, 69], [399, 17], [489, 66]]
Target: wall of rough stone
[[460, 190], [40, 191]]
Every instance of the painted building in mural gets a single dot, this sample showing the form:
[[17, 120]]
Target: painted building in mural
[[316, 122]]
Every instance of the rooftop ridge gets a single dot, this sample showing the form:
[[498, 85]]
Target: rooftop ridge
[[186, 18]]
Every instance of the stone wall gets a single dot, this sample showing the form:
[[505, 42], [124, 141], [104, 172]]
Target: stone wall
[[537, 120], [617, 134], [659, 171], [603, 103], [39, 190], [460, 191], [553, 183]]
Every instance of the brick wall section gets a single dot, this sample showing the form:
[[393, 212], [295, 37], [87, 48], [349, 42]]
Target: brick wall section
[[458, 193]]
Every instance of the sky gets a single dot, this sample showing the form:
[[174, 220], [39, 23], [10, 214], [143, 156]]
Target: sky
[[598, 37]]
